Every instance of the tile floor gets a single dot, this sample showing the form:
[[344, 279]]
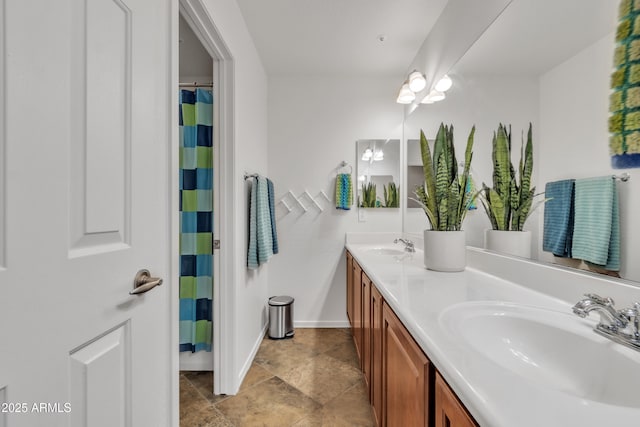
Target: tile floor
[[310, 380]]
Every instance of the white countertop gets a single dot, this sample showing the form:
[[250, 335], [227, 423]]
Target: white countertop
[[495, 396]]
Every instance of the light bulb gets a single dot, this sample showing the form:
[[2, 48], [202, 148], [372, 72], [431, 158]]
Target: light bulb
[[444, 84], [417, 82], [434, 96], [406, 96]]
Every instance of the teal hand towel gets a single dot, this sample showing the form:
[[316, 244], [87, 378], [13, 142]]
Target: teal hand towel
[[596, 233], [344, 191], [557, 236], [264, 237], [272, 212], [252, 253], [260, 227]]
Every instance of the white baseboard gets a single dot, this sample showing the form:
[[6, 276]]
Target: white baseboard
[[252, 356], [321, 324]]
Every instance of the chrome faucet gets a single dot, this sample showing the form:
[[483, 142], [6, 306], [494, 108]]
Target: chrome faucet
[[621, 326], [408, 244]]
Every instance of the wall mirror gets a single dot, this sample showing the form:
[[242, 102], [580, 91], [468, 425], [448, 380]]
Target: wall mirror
[[547, 63], [378, 173]]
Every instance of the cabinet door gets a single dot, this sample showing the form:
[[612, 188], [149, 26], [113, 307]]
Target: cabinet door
[[365, 361], [449, 410], [405, 376], [375, 383], [350, 288], [357, 308]]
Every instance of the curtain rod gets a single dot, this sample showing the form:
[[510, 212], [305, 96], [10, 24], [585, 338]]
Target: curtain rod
[[196, 84]]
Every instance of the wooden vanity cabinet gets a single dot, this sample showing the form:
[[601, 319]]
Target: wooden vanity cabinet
[[365, 359], [357, 308], [449, 410], [350, 288], [405, 376], [404, 388], [375, 383]]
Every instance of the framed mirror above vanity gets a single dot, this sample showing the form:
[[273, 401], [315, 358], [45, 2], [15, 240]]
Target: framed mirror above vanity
[[542, 62], [378, 173]]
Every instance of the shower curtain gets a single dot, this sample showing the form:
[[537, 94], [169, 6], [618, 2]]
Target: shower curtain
[[196, 220]]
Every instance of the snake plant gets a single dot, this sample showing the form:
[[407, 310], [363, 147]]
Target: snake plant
[[368, 195], [391, 199], [444, 196], [509, 202]]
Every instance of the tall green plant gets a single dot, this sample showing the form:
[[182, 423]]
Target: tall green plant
[[391, 199], [444, 196], [509, 202], [368, 195]]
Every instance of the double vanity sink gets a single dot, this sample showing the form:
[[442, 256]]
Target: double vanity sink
[[515, 356]]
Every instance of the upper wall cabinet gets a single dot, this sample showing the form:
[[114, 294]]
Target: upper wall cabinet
[[378, 183]]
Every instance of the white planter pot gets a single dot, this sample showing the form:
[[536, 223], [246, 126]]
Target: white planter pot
[[517, 243], [445, 250]]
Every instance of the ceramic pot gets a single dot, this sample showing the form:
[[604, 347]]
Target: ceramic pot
[[517, 243], [445, 250]]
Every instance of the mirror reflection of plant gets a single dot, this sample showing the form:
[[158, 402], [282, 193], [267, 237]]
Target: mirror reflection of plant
[[509, 202], [444, 196], [368, 195], [391, 198]]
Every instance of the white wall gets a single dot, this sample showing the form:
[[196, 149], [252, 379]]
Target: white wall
[[250, 94], [574, 102], [314, 122], [483, 101]]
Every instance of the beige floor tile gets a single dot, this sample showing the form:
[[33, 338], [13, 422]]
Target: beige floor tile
[[345, 352], [203, 382], [197, 411], [256, 375], [350, 409], [281, 356], [322, 339], [323, 377], [311, 380], [269, 403]]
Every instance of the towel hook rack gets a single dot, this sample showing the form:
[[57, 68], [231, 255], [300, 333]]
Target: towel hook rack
[[623, 177]]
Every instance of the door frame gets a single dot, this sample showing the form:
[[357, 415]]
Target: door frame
[[223, 351]]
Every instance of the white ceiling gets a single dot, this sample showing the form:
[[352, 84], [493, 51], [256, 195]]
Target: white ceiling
[[339, 36], [532, 36]]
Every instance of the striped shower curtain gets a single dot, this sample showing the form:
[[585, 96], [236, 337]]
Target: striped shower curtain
[[196, 220]]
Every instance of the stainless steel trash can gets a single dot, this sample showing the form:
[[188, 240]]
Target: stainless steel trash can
[[280, 317]]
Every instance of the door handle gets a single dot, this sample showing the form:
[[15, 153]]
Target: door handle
[[143, 282]]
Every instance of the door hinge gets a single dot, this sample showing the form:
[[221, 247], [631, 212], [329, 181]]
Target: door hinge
[[216, 244]]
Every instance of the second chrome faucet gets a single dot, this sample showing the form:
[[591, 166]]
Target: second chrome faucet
[[621, 326]]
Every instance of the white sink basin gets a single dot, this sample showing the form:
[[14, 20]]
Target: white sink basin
[[550, 348], [386, 251]]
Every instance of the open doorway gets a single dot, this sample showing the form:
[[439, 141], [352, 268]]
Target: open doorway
[[196, 16], [196, 176]]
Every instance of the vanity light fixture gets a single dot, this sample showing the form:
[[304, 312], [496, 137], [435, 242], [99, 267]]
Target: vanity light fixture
[[417, 81], [406, 96], [444, 84], [366, 156], [378, 155]]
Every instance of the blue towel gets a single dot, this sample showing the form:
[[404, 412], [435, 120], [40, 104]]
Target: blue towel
[[272, 212], [260, 229], [596, 234], [557, 234]]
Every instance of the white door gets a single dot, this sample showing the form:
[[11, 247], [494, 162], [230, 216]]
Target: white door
[[84, 204]]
